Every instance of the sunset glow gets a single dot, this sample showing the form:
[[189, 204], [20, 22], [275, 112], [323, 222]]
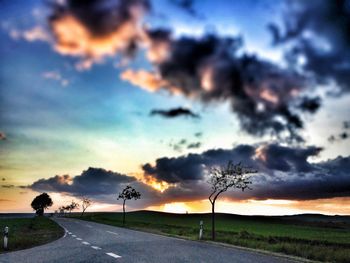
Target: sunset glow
[[96, 96]]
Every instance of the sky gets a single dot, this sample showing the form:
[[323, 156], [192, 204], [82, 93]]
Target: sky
[[98, 95]]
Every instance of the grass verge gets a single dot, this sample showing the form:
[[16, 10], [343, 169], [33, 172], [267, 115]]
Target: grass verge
[[315, 240], [29, 232]]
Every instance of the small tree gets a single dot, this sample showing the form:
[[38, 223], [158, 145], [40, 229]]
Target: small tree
[[72, 206], [85, 204], [222, 178], [127, 194], [41, 202]]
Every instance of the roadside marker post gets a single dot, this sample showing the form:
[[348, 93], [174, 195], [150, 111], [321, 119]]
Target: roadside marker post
[[6, 236], [200, 229]]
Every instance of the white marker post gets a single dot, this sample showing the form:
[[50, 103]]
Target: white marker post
[[6, 237], [200, 229]]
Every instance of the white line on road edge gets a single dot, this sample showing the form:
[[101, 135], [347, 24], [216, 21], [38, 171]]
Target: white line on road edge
[[89, 226], [114, 233], [85, 243], [113, 255], [78, 238], [97, 248]]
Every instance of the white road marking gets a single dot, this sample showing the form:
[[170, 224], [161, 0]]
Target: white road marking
[[85, 243], [97, 248], [69, 233], [74, 236], [65, 233], [114, 233], [113, 255], [88, 226], [78, 238]]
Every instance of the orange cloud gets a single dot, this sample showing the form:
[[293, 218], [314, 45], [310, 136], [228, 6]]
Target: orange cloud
[[269, 96], [144, 79], [74, 39]]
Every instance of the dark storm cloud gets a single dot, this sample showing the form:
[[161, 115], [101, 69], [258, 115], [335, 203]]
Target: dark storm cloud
[[173, 113], [331, 179], [212, 68], [282, 158], [97, 183], [93, 181], [284, 173], [318, 32], [192, 166]]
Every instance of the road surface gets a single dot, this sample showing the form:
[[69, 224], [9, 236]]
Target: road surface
[[92, 242]]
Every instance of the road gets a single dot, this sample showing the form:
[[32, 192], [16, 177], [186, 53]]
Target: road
[[92, 242]]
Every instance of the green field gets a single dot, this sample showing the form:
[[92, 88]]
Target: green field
[[316, 237], [29, 232]]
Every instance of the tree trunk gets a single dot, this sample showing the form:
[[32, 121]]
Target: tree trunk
[[124, 213], [213, 220]]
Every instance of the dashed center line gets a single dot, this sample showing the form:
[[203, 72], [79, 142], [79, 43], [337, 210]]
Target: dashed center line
[[74, 236], [69, 233], [85, 243], [97, 248], [78, 238], [114, 233], [113, 255]]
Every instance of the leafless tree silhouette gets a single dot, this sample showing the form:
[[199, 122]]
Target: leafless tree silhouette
[[222, 178]]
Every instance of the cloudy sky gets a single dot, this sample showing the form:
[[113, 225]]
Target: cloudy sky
[[97, 95]]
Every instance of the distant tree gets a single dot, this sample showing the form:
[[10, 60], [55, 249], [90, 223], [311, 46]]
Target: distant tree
[[222, 178], [62, 210], [127, 194], [72, 206], [41, 202], [86, 202]]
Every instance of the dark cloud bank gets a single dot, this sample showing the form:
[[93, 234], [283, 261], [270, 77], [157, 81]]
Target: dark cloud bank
[[284, 173], [212, 68]]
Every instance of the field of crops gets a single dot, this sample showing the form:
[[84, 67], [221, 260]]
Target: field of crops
[[316, 237]]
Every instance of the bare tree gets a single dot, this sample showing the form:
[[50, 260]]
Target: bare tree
[[72, 206], [222, 178], [62, 210], [127, 194], [85, 204]]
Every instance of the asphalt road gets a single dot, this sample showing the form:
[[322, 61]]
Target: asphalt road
[[91, 242]]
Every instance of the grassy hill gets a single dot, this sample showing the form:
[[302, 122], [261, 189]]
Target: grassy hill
[[29, 232], [318, 237]]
